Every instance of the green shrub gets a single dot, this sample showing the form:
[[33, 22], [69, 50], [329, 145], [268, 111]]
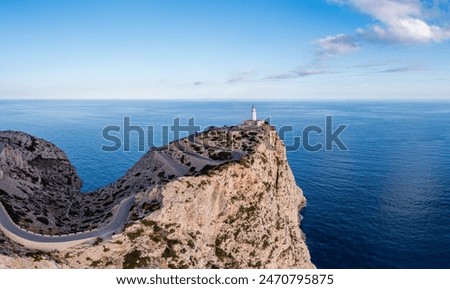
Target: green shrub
[[134, 235], [134, 260]]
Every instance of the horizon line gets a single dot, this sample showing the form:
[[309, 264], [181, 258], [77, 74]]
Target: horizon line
[[375, 99]]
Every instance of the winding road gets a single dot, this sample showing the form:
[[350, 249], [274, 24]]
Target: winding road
[[50, 243]]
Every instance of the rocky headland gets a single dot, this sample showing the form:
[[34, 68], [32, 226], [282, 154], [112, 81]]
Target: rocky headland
[[223, 198]]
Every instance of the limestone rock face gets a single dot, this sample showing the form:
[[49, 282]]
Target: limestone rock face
[[34, 262], [217, 208], [36, 180], [240, 215]]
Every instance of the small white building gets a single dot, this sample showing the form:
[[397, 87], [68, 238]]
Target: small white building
[[254, 119]]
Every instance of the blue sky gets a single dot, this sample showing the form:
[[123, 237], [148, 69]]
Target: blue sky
[[321, 49]]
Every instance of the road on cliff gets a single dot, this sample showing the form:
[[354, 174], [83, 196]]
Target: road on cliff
[[119, 219]]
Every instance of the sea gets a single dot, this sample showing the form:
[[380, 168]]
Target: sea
[[376, 174]]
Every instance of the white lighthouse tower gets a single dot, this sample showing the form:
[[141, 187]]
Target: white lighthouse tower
[[254, 118]]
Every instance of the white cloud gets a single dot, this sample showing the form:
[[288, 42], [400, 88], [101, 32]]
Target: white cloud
[[338, 44], [401, 21]]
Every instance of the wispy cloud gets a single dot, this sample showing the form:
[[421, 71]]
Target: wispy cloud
[[198, 83], [401, 69], [241, 76], [396, 21], [296, 74]]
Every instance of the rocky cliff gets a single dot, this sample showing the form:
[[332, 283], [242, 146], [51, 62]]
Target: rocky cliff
[[225, 198]]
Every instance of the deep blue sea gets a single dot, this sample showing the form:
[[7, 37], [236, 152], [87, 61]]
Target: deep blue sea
[[383, 203]]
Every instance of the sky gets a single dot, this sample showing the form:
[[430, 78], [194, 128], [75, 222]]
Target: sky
[[217, 49]]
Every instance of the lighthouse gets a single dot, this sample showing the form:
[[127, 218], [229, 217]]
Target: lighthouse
[[253, 121], [254, 118]]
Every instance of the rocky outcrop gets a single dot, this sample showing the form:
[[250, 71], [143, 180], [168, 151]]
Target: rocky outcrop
[[37, 182], [224, 199]]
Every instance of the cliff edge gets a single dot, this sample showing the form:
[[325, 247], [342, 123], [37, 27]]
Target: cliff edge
[[224, 198]]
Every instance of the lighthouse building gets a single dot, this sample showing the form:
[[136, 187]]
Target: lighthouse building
[[254, 119]]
